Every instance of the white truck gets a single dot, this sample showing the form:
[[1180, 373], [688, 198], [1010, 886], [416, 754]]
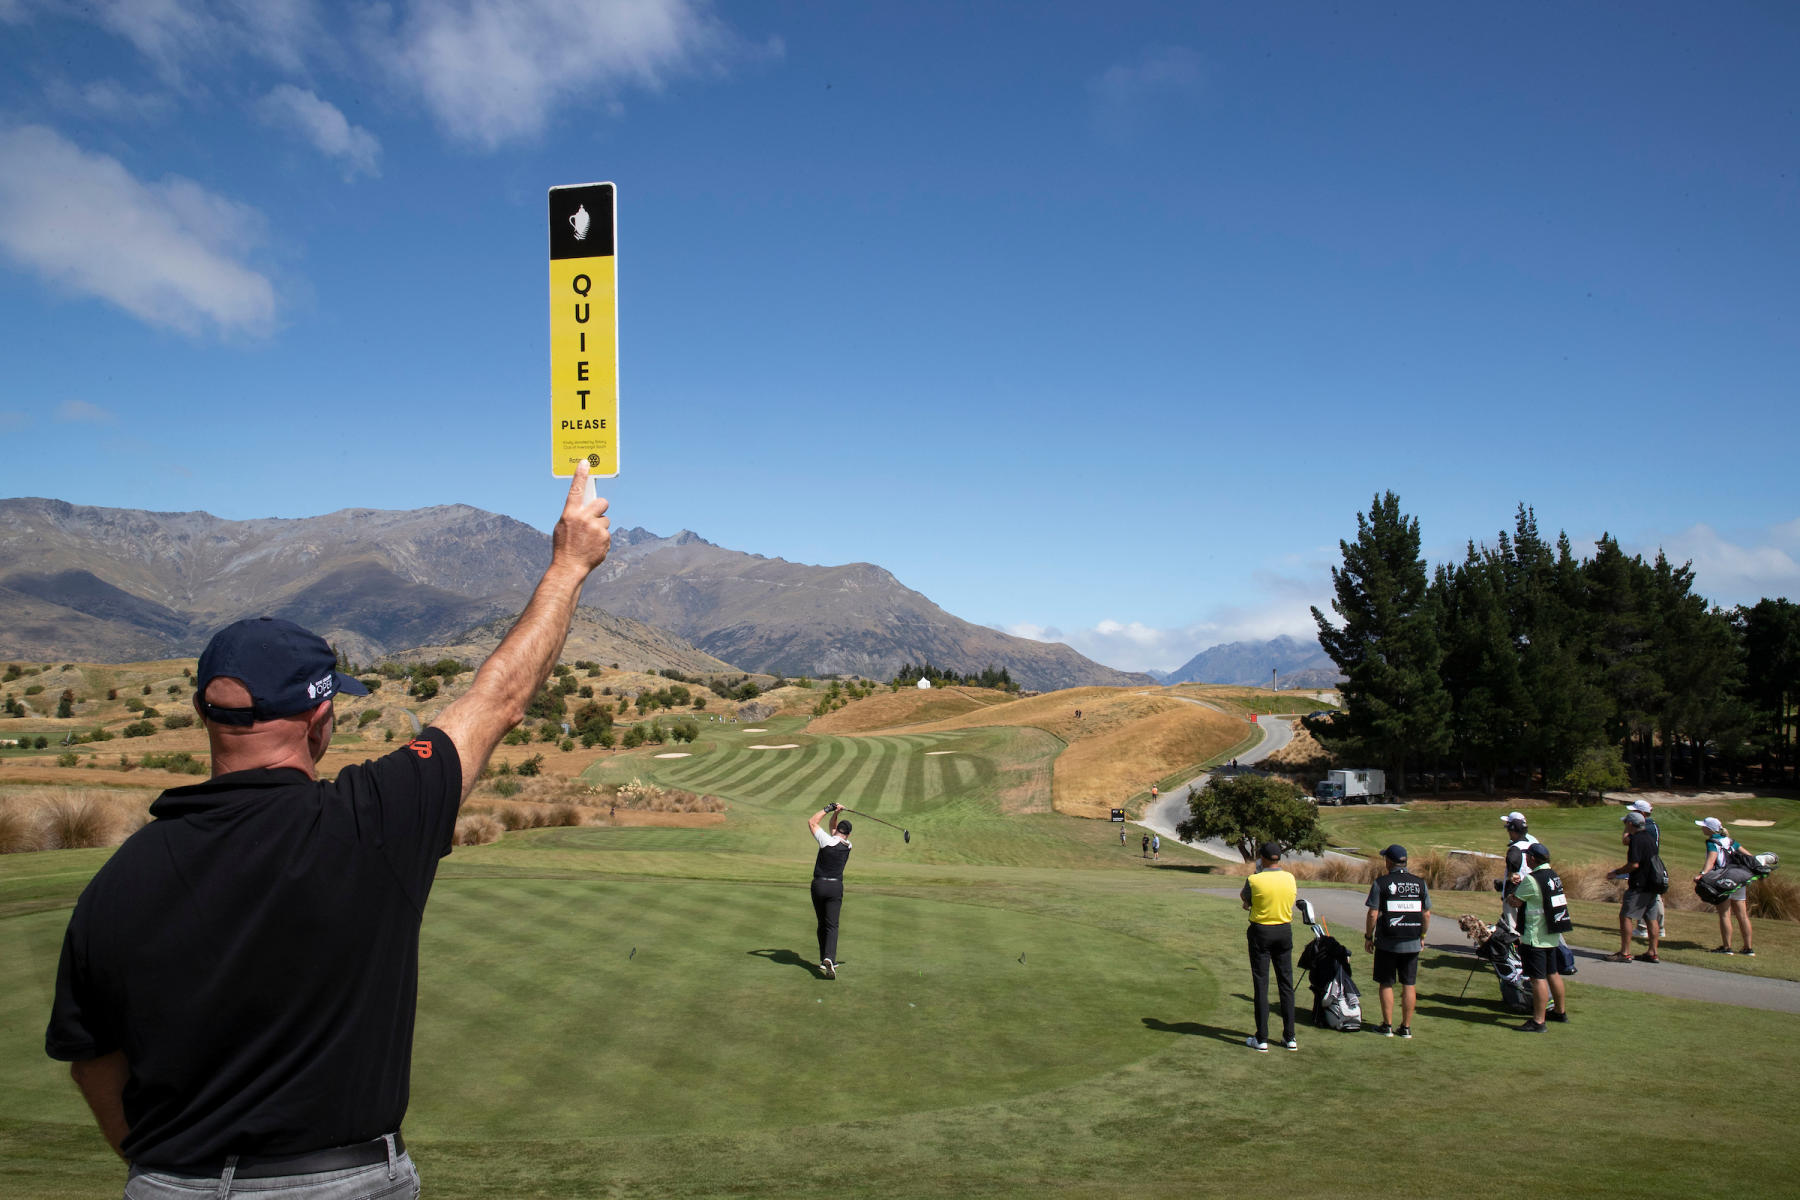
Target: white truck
[[1359, 786]]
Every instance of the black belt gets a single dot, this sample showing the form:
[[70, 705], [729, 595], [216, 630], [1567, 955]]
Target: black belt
[[260, 1166], [827, 879]]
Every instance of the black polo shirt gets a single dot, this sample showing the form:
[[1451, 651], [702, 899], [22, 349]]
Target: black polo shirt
[[254, 951]]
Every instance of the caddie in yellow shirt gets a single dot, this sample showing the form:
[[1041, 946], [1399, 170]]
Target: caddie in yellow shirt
[[1268, 896]]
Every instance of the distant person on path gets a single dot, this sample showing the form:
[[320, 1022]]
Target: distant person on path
[[1518, 839], [1268, 896], [238, 983], [1736, 906], [1540, 945], [1645, 808], [828, 882], [1641, 896], [1399, 914]]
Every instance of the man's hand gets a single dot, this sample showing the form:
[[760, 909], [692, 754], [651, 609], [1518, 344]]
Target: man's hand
[[583, 534]]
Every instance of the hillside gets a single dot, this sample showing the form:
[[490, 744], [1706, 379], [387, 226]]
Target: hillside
[[102, 584], [1122, 741], [1295, 663]]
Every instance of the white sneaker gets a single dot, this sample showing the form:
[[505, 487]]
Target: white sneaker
[[1291, 1044], [830, 969], [1259, 1047]]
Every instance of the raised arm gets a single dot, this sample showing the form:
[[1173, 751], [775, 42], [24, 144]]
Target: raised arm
[[521, 663]]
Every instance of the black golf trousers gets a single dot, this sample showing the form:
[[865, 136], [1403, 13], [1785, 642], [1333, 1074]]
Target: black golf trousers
[[827, 898], [1272, 943]]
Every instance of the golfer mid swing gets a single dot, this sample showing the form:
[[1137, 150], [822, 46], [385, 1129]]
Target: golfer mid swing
[[828, 881]]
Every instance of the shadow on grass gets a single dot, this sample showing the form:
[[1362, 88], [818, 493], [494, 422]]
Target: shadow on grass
[[787, 958], [1195, 1029], [1190, 868]]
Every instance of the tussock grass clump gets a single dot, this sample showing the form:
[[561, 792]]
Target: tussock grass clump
[[650, 797], [76, 822], [1775, 898], [476, 829], [18, 833]]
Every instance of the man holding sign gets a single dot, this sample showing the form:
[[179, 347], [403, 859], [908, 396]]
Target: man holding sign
[[238, 982]]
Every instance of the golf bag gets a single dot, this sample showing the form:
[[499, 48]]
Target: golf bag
[[1501, 951], [1336, 1002], [1720, 882], [1758, 865]]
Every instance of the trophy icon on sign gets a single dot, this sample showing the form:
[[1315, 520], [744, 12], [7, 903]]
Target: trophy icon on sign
[[580, 222]]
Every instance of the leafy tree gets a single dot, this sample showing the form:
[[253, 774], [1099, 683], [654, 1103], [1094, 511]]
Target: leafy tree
[[1599, 769], [138, 729], [65, 706], [547, 705], [1248, 810], [1395, 704], [41, 742], [634, 737], [424, 688], [532, 766], [1770, 635], [180, 720]]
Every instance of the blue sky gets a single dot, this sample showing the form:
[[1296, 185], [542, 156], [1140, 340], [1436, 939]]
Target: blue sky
[[1095, 322]]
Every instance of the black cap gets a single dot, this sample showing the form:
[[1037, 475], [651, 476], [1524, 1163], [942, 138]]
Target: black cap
[[1269, 850], [1395, 853], [843, 827], [287, 670], [1538, 851]]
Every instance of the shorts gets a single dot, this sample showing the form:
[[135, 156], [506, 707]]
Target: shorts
[[1389, 963], [1541, 962], [1641, 906]]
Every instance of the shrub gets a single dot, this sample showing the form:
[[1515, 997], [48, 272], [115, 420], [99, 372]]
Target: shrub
[[146, 689], [425, 688], [566, 744], [389, 737], [367, 716], [1599, 769], [548, 732], [174, 689], [180, 762], [634, 737], [516, 736], [477, 829], [41, 742], [507, 786], [150, 712], [138, 729], [112, 693], [98, 734], [178, 721], [67, 758], [373, 684], [34, 689], [532, 765]]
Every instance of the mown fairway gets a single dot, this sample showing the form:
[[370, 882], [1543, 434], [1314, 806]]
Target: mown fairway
[[1026, 1010]]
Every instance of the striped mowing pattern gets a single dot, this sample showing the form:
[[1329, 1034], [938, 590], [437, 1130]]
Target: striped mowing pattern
[[884, 776]]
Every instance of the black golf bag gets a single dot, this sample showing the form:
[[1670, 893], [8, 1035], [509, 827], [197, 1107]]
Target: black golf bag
[[1720, 882], [1758, 865], [1336, 1002], [1501, 951]]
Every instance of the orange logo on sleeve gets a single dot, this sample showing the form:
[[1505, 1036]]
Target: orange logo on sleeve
[[422, 748]]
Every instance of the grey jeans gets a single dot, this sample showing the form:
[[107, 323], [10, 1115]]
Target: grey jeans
[[396, 1179]]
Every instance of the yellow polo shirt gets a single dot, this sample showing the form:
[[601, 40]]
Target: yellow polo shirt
[[1271, 895]]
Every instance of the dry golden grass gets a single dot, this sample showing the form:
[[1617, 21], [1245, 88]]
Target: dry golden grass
[[477, 829], [1301, 756], [887, 710], [1097, 772], [1775, 898], [70, 818]]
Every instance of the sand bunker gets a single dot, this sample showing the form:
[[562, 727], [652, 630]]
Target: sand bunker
[[753, 731], [789, 746], [682, 754], [935, 753], [1748, 821]]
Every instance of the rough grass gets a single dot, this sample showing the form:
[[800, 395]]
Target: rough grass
[[69, 818], [477, 829], [908, 706]]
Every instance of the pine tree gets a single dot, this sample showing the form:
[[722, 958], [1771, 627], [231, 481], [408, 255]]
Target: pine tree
[[1396, 708]]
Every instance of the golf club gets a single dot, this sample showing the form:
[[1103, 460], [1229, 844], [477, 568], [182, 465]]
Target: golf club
[[905, 834]]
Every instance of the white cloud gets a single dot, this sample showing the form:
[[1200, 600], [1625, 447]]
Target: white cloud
[[321, 123], [176, 34], [169, 253], [1127, 95], [83, 413], [1729, 574], [109, 99], [491, 71]]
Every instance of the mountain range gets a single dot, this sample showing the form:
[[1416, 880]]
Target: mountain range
[[115, 585], [1294, 663]]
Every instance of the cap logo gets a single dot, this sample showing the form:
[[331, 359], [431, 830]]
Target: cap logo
[[319, 689]]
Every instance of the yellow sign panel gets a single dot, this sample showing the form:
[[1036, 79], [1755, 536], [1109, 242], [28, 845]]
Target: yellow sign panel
[[584, 330]]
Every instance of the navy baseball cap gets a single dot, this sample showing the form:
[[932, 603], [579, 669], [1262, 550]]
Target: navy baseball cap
[[287, 670], [1395, 853], [1270, 850], [1538, 851]]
